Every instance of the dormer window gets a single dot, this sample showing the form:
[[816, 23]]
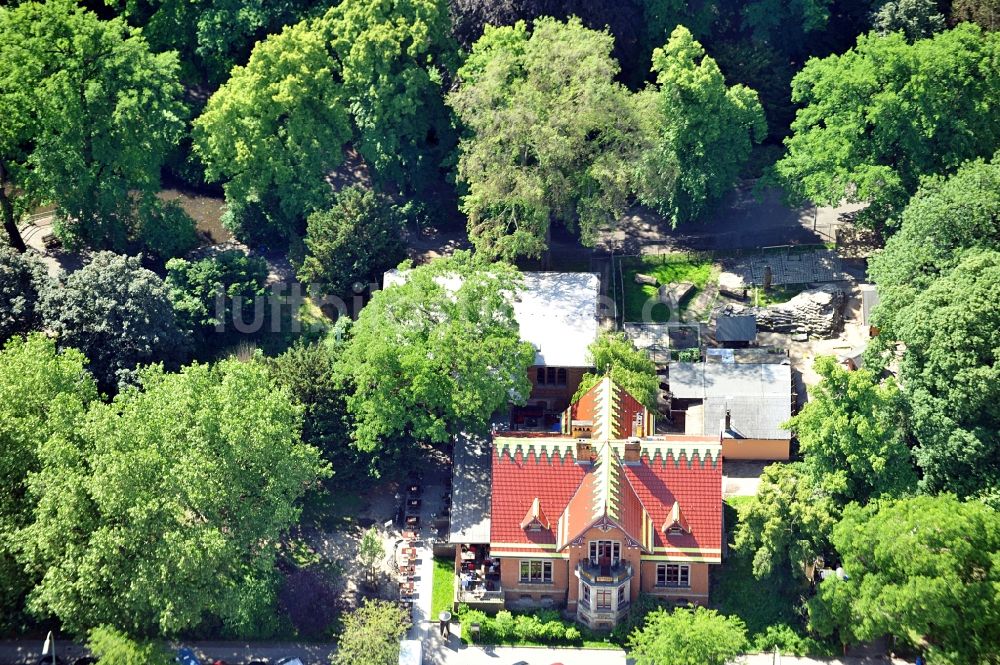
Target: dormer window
[[675, 524], [535, 519]]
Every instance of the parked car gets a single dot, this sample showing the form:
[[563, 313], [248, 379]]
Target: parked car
[[289, 661], [186, 656], [85, 660]]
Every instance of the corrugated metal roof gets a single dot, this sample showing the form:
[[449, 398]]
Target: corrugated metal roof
[[704, 380], [471, 480]]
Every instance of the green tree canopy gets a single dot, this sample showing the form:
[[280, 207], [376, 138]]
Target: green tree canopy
[[89, 114], [925, 570], [951, 370], [355, 240], [436, 355], [985, 13], [371, 634], [181, 486], [614, 355], [548, 136], [205, 293], [947, 216], [393, 57], [118, 313], [788, 522], [211, 35], [697, 636], [916, 19], [878, 117], [116, 648], [274, 132], [43, 393], [22, 279], [308, 372], [852, 434], [698, 131]]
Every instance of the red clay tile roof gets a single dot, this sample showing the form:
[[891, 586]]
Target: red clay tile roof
[[648, 488]]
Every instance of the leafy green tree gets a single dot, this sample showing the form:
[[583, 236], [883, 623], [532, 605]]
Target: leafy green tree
[[208, 293], [696, 636], [946, 217], [274, 131], [183, 485], [22, 279], [43, 393], [355, 240], [89, 114], [614, 355], [699, 131], [371, 634], [924, 570], [951, 370], [393, 58], [878, 117], [166, 229], [985, 13], [308, 372], [549, 136], [212, 36], [436, 355], [371, 550], [114, 647], [852, 434], [788, 523], [772, 21], [916, 19], [117, 328]]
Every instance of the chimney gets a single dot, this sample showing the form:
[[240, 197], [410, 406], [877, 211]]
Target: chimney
[[729, 421], [584, 451], [633, 451]]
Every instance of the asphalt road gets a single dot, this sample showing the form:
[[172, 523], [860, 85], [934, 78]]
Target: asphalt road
[[23, 652]]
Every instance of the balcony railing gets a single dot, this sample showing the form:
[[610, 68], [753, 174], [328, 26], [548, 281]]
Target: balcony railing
[[477, 595], [607, 574]]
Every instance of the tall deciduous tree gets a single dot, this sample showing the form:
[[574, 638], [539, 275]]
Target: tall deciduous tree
[[615, 355], [23, 278], [118, 313], [925, 570], [355, 240], [180, 486], [852, 434], [113, 646], [699, 131], [946, 217], [43, 393], [788, 523], [89, 114], [985, 13], [208, 293], [878, 117], [274, 131], [951, 370], [393, 58], [916, 19], [436, 355], [371, 634], [549, 134], [697, 636]]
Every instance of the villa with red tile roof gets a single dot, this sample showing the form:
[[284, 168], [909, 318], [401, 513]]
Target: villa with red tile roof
[[589, 517]]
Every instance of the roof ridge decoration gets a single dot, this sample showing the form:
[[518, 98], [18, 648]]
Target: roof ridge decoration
[[535, 516]]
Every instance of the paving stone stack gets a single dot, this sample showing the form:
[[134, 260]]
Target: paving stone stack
[[816, 312]]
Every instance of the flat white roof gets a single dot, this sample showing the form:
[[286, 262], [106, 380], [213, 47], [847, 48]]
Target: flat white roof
[[704, 380], [556, 312]]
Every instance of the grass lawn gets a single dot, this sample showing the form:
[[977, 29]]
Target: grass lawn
[[775, 295], [666, 268], [444, 586]]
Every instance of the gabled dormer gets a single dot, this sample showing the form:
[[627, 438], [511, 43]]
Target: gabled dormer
[[675, 524], [535, 519]]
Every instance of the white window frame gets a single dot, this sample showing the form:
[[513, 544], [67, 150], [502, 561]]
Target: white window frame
[[681, 574], [539, 571], [616, 551]]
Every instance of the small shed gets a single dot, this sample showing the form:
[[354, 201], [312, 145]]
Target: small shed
[[736, 329]]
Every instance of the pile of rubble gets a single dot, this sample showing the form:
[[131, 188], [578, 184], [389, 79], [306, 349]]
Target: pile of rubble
[[816, 312]]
